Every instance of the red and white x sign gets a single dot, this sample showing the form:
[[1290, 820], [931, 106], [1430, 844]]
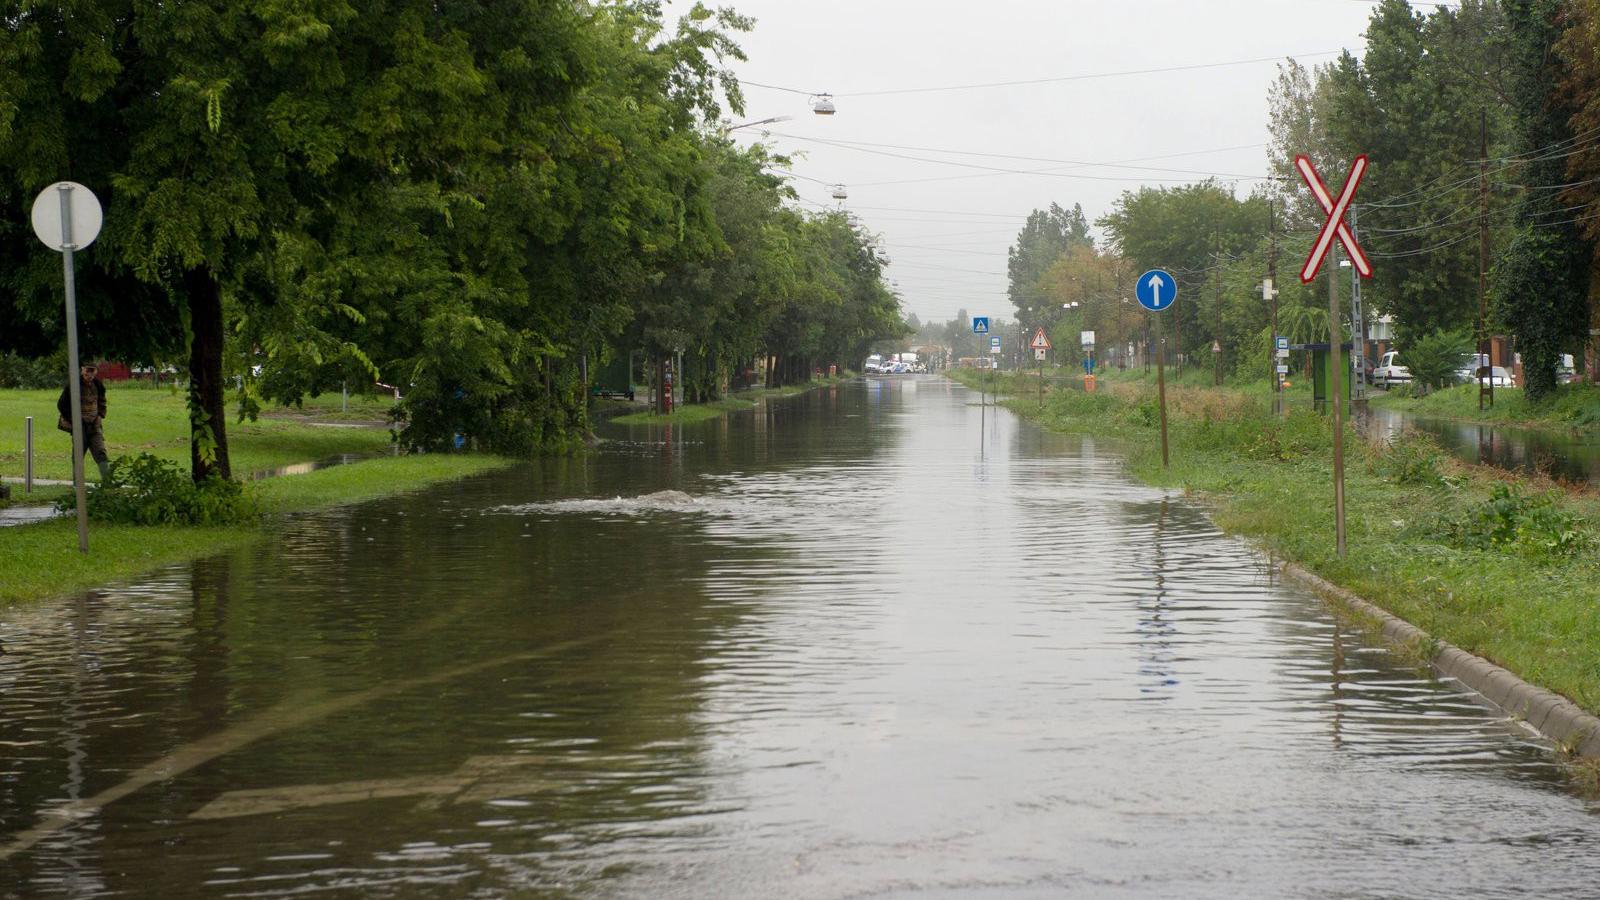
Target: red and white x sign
[[1335, 223]]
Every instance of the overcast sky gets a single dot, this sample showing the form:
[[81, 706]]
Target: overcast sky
[[947, 238]]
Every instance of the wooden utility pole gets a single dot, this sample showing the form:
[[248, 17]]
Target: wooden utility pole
[[1272, 289], [1216, 303], [1486, 361]]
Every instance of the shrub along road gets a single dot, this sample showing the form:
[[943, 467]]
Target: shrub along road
[[1501, 565]]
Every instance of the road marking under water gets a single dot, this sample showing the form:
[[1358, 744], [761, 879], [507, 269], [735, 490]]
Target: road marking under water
[[293, 713]]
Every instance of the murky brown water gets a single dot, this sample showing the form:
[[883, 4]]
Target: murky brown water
[[871, 655]]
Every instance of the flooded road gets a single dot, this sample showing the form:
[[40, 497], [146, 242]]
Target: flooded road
[[852, 644]]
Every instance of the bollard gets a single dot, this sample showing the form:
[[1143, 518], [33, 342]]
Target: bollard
[[27, 457]]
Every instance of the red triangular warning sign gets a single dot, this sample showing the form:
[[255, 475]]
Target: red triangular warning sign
[[1040, 341]]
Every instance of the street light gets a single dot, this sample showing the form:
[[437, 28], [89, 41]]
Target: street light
[[822, 104], [766, 121]]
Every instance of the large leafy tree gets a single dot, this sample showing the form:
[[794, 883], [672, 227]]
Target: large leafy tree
[[1191, 231], [1579, 47], [1046, 235], [1541, 280], [1413, 103]]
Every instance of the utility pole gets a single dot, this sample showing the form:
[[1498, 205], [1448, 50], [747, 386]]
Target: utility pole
[[1216, 303], [1485, 381], [1271, 289], [1358, 328]]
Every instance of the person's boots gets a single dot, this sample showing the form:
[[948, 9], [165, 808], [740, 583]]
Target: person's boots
[[105, 470]]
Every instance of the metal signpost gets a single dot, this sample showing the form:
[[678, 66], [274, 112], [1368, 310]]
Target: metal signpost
[[1320, 250], [1156, 291], [1041, 346], [66, 217]]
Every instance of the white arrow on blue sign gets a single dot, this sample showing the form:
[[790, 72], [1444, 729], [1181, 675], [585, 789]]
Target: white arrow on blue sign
[[1156, 290], [980, 324]]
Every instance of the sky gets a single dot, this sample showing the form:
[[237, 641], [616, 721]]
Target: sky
[[945, 227]]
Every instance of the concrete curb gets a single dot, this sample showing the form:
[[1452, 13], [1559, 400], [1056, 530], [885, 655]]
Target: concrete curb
[[1551, 714]]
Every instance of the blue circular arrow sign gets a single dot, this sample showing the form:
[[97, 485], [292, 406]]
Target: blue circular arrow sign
[[1156, 290]]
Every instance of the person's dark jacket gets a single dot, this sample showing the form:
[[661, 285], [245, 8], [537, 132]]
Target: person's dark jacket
[[64, 403]]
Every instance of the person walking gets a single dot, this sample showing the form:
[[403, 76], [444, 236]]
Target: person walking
[[92, 410]]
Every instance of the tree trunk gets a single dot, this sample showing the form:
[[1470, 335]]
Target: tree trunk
[[207, 403]]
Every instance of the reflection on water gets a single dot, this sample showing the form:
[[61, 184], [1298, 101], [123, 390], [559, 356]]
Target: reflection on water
[[1566, 455], [866, 650]]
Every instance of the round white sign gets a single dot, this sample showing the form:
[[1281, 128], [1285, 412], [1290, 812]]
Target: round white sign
[[47, 217]]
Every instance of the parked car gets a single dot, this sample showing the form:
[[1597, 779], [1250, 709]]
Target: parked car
[[1498, 376], [1389, 372]]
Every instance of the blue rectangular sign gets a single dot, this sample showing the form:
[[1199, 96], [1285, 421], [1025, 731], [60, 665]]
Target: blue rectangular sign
[[980, 324]]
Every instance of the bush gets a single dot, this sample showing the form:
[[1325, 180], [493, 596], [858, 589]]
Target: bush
[[32, 374], [1434, 359], [146, 490], [1411, 458], [1510, 519]]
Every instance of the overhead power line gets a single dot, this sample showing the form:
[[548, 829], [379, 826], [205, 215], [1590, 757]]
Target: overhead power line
[[1050, 173], [983, 85]]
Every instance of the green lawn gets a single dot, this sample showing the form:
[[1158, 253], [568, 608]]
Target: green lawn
[[1412, 514], [153, 420], [42, 561]]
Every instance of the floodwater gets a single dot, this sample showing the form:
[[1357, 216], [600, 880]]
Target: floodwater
[[852, 644], [1569, 455]]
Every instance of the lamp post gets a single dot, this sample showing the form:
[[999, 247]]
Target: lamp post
[[766, 121]]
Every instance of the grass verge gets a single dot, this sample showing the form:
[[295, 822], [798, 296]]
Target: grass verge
[[738, 402], [42, 561], [1501, 565], [1572, 406]]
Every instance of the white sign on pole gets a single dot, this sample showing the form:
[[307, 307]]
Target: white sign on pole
[[66, 217], [1038, 354], [47, 218], [1086, 338], [1283, 370]]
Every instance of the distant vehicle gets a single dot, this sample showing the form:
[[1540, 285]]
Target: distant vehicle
[[1472, 370], [873, 365], [1389, 372], [1566, 370]]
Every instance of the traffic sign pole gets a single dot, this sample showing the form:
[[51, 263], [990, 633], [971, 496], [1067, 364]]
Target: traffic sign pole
[[1156, 290], [74, 380], [66, 217], [1336, 364], [1326, 244], [1161, 388]]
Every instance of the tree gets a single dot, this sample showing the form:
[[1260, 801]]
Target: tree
[[1541, 279], [1044, 237]]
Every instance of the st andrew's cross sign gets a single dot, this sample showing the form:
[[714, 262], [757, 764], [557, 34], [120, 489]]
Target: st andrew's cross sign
[[1335, 225]]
